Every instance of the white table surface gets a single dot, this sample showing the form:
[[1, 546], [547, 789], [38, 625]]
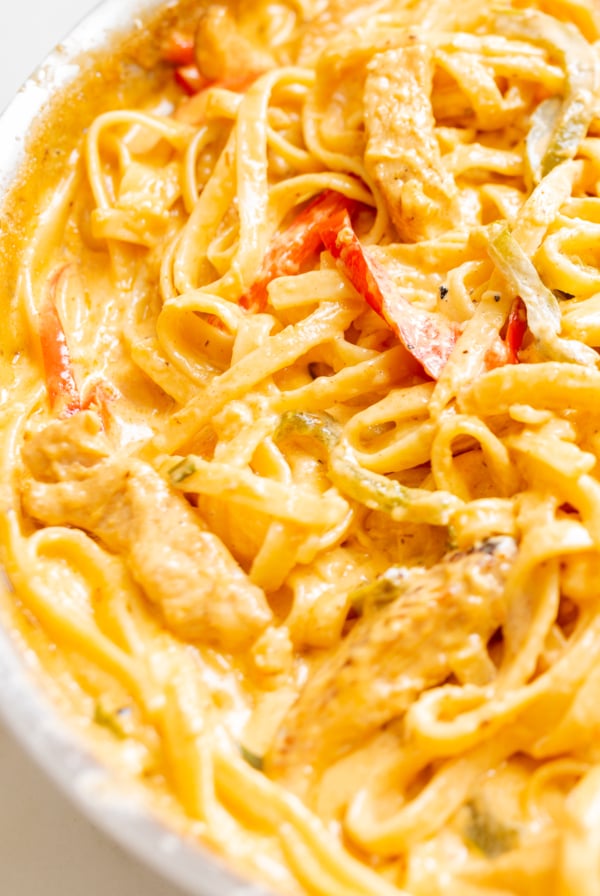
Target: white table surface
[[46, 847]]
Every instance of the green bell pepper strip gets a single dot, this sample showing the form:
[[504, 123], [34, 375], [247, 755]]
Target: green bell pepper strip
[[543, 122], [383, 590], [489, 834], [566, 125], [252, 758], [370, 489], [543, 310]]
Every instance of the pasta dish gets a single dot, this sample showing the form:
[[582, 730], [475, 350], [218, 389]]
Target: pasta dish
[[300, 441]]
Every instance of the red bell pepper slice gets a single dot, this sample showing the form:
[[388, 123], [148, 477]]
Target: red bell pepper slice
[[189, 79], [61, 386], [99, 396], [179, 52], [515, 330], [430, 338], [178, 48], [293, 247], [192, 82]]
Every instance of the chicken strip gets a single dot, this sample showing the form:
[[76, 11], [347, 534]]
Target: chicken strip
[[184, 569], [402, 155], [393, 654]]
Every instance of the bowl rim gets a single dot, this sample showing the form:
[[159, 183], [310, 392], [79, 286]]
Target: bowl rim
[[26, 710]]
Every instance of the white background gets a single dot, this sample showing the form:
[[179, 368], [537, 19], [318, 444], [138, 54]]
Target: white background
[[29, 29], [46, 848]]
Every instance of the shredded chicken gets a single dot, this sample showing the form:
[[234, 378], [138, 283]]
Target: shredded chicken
[[393, 654], [402, 154], [184, 570]]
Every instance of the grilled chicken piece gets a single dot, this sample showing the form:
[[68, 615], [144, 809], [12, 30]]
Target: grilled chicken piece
[[184, 570], [392, 655], [402, 154]]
